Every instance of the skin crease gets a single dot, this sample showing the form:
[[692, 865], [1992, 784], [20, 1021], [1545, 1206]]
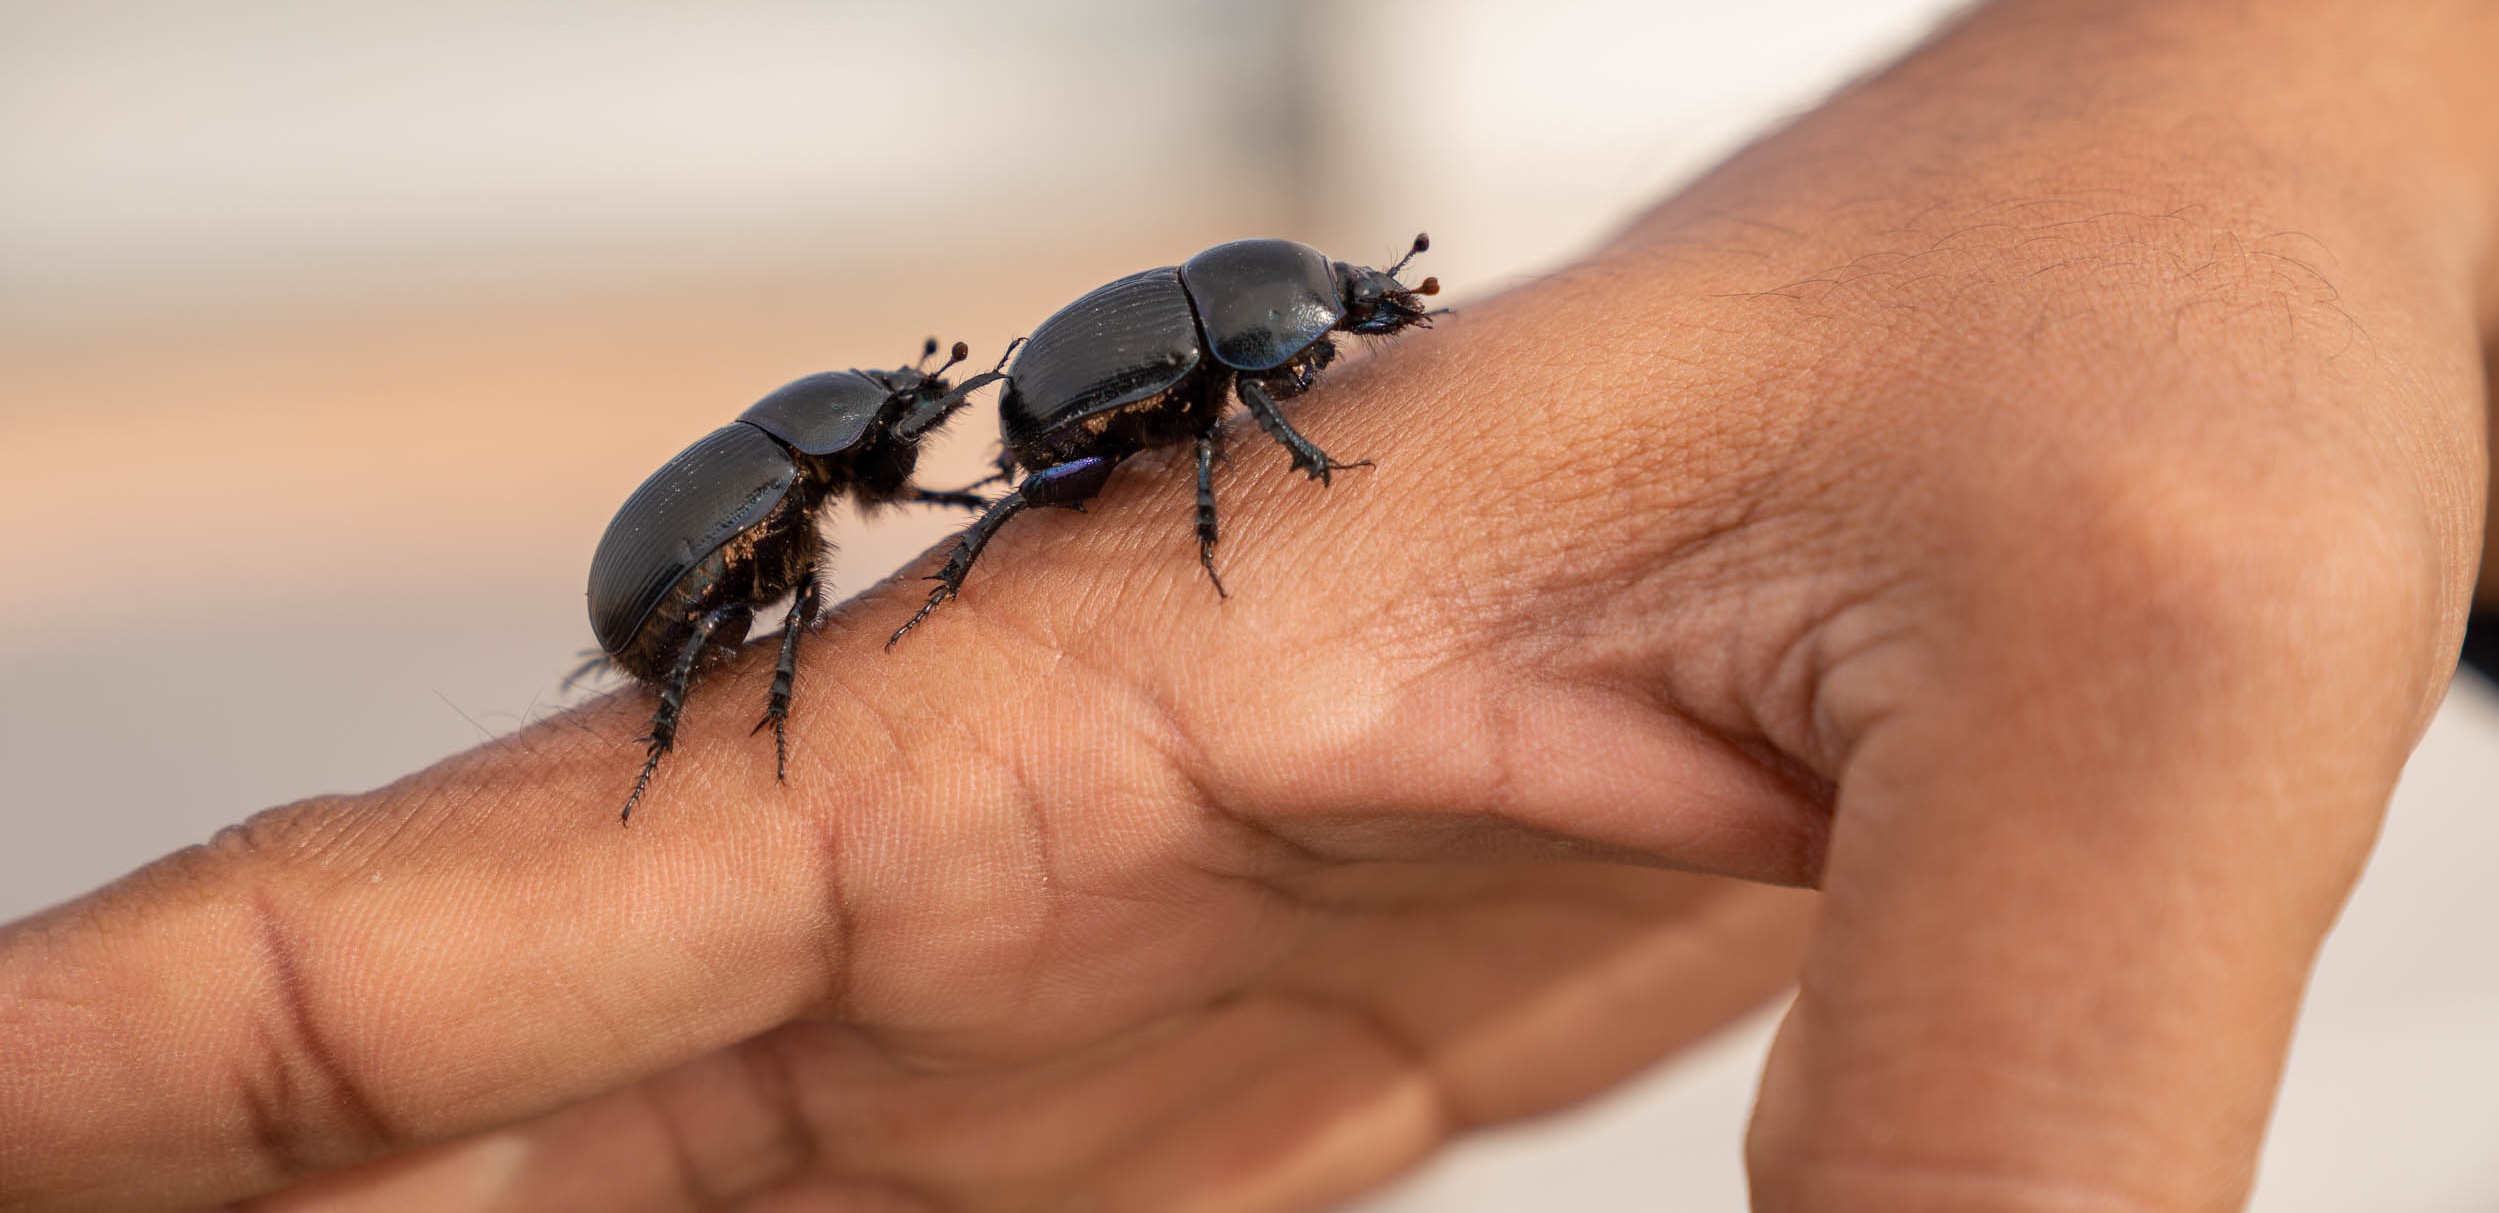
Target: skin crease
[[2486, 593], [2033, 499]]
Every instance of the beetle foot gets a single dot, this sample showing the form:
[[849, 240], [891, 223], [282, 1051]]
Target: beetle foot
[[967, 549], [936, 598], [672, 693], [1209, 452], [949, 582], [1319, 467], [785, 671], [780, 742], [1307, 457], [659, 744]]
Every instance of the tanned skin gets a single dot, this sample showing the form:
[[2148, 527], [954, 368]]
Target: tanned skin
[[2033, 499]]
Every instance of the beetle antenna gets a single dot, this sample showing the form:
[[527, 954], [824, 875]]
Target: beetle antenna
[[596, 663], [959, 353], [921, 421], [1422, 243], [927, 351]]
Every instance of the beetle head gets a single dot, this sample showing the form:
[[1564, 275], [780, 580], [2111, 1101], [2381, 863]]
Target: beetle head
[[922, 399], [1376, 302]]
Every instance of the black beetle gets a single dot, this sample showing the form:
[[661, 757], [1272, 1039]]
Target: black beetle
[[730, 525], [1154, 359]]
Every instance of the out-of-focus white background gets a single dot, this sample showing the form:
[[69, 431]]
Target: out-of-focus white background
[[331, 334]]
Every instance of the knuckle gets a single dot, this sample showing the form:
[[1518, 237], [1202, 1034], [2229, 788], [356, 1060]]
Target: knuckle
[[2209, 557], [308, 833], [2292, 614], [302, 1107]]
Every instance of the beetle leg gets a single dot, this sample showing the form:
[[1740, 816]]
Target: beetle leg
[[1005, 465], [961, 499], [1321, 353], [663, 734], [959, 562], [1066, 485], [1306, 456], [785, 672], [594, 661], [1209, 449]]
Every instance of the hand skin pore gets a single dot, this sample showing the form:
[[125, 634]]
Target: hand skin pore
[[2033, 499]]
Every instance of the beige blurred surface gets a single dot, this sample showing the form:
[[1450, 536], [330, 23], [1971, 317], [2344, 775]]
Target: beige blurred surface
[[330, 336]]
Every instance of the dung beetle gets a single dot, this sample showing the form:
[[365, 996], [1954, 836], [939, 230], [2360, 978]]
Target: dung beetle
[[1155, 358], [729, 525]]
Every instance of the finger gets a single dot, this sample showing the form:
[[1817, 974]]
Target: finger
[[482, 944], [344, 978], [2080, 873], [1341, 1070], [954, 858], [1441, 656]]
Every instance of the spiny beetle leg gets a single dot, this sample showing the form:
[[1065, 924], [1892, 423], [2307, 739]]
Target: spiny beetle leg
[[1306, 455], [961, 499], [1209, 449], [663, 734], [785, 672], [1066, 486], [959, 562]]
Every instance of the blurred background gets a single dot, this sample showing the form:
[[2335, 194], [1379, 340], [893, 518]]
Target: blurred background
[[331, 334]]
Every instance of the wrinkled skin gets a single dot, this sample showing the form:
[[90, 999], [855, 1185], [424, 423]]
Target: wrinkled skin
[[2034, 500]]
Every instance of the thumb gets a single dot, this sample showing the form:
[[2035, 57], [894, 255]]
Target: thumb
[[2083, 860]]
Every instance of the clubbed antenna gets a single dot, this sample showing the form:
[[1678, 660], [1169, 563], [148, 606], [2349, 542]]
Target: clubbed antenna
[[927, 351], [1422, 244], [921, 420], [1429, 286], [957, 354]]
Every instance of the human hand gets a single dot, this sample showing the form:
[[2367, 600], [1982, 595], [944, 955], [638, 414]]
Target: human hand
[[1990, 512]]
